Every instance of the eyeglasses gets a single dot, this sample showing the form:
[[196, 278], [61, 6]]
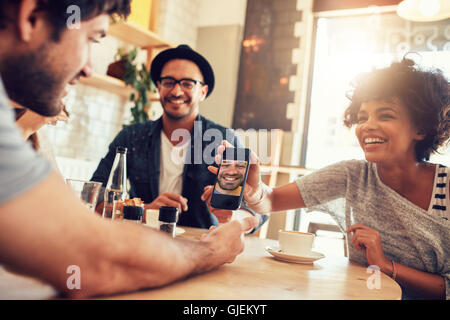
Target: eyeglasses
[[185, 84]]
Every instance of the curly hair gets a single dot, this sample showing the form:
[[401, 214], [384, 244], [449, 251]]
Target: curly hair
[[58, 15], [425, 93]]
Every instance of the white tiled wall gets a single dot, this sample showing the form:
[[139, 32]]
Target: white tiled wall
[[178, 21], [95, 118]]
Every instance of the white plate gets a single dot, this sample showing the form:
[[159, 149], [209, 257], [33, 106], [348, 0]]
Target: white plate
[[307, 259], [155, 226]]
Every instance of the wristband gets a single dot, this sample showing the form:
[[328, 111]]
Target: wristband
[[394, 273], [260, 199]]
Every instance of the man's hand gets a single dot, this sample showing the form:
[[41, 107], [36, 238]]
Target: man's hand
[[227, 240], [170, 200]]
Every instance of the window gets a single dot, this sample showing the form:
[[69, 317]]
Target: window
[[347, 46]]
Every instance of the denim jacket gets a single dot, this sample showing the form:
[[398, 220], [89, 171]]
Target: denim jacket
[[143, 141]]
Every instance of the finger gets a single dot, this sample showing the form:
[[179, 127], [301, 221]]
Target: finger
[[178, 198], [208, 188], [207, 194], [174, 196], [364, 240], [357, 243], [357, 226], [218, 158], [253, 158], [213, 169], [362, 232], [368, 241], [170, 203], [248, 223], [220, 150], [226, 144]]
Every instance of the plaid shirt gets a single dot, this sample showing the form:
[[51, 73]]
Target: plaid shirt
[[143, 141]]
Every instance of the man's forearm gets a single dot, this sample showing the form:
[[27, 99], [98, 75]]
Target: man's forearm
[[139, 257], [111, 256]]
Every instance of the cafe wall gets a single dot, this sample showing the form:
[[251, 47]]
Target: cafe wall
[[266, 65], [219, 39]]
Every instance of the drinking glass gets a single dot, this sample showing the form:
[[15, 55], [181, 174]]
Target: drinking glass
[[87, 191]]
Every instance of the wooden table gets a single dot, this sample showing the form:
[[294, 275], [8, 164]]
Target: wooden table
[[254, 275]]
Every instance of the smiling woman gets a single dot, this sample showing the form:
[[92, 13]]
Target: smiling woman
[[395, 205], [404, 88]]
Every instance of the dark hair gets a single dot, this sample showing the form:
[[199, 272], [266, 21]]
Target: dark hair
[[425, 93], [58, 15]]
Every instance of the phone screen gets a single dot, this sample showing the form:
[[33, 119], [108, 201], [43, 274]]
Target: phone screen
[[231, 178]]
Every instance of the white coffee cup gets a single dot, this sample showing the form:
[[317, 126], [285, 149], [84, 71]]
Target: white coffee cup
[[295, 243]]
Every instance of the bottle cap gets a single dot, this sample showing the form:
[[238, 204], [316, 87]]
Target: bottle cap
[[168, 214], [121, 149], [133, 213]]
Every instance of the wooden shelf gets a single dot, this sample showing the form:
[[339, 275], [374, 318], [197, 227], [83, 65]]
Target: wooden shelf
[[137, 36], [134, 35], [113, 85]]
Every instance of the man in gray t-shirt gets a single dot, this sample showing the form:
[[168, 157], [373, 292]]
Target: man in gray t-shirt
[[45, 230]]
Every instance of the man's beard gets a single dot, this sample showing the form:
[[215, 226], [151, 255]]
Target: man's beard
[[173, 116], [228, 187], [29, 81]]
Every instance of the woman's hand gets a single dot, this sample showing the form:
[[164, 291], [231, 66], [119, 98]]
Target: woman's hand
[[368, 239]]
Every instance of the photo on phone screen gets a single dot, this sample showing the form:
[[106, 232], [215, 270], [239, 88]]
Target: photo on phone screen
[[231, 177]]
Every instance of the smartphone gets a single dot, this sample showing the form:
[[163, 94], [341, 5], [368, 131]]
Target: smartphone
[[230, 180]]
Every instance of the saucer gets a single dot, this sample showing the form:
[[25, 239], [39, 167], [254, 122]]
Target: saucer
[[304, 259]]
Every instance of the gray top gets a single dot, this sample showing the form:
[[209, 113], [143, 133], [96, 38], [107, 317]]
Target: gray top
[[21, 168], [352, 193]]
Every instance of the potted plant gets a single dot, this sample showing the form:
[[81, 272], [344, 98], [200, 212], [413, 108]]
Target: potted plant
[[136, 76]]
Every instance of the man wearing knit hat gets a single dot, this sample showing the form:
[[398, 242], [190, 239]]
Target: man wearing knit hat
[[184, 78]]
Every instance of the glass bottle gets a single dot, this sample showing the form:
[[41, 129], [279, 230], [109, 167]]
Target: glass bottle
[[168, 217], [116, 187]]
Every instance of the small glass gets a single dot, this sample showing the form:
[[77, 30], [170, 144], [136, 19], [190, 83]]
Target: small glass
[[87, 191], [168, 217], [134, 213]]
